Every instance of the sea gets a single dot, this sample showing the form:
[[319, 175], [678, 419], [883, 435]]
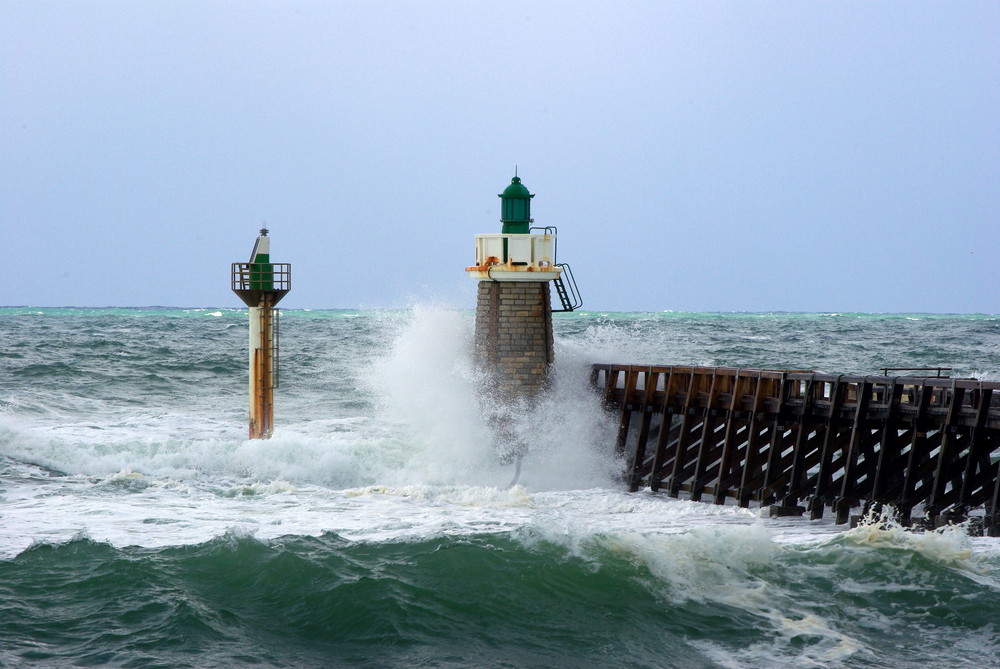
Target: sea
[[386, 524]]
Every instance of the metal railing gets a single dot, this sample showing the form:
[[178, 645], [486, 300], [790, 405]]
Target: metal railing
[[261, 276], [937, 370]]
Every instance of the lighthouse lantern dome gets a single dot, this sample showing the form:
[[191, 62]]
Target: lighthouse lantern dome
[[515, 208]]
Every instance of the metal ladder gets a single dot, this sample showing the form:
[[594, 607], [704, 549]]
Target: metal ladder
[[569, 295], [271, 344]]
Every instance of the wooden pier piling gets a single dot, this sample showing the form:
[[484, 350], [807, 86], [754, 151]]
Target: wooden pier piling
[[801, 441]]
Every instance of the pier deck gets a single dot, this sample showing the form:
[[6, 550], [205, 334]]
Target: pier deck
[[785, 438]]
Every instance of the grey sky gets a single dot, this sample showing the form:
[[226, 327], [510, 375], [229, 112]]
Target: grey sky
[[697, 156]]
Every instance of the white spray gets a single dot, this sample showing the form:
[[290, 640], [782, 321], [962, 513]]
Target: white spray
[[429, 388]]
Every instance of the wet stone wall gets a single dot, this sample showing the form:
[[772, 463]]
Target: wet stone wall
[[514, 335]]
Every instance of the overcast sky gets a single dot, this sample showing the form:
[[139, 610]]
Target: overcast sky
[[695, 156]]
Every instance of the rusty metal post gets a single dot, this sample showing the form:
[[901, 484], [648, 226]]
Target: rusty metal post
[[262, 372], [261, 284]]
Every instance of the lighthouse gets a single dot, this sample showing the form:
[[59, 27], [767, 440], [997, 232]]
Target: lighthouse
[[261, 284], [516, 270]]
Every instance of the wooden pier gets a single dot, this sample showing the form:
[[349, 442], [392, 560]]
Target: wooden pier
[[802, 441]]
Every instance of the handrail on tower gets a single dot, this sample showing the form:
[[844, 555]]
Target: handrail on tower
[[565, 283], [250, 280]]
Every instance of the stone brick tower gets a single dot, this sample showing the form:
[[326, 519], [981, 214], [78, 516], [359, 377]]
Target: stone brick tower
[[513, 340]]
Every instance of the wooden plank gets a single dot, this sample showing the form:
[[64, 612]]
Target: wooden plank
[[626, 417], [666, 425], [796, 483], [991, 522], [639, 453], [979, 453], [842, 505], [774, 477], [706, 442], [684, 437], [734, 424], [755, 457], [918, 451], [752, 473], [831, 441], [945, 470], [888, 450]]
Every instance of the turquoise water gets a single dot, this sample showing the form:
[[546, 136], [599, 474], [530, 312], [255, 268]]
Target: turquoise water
[[140, 528]]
